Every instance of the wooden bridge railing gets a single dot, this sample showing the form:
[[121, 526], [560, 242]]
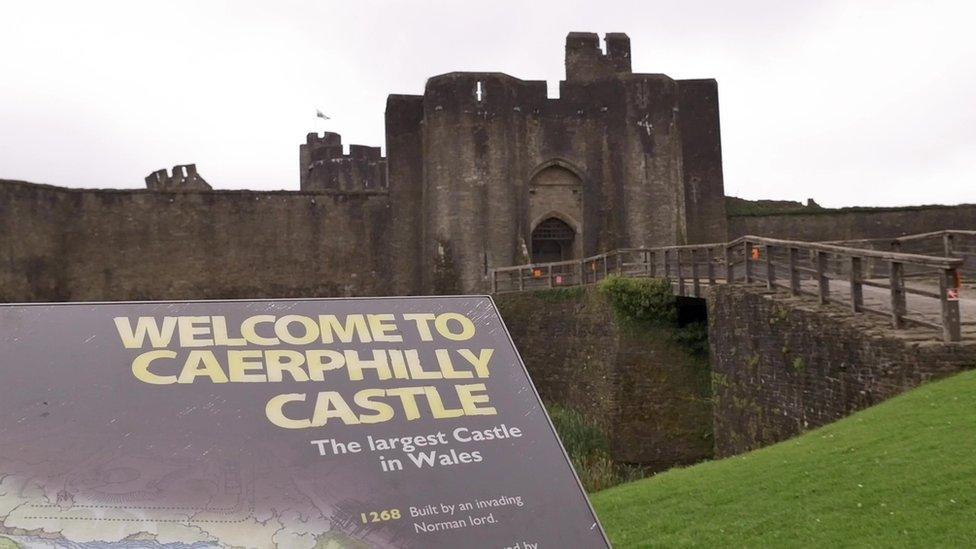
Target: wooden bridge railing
[[919, 289], [947, 243]]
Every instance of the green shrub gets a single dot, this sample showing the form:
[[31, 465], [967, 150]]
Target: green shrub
[[641, 300], [589, 450], [651, 302], [555, 295], [579, 436]]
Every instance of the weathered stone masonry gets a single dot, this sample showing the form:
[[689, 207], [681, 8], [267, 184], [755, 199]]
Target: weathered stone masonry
[[623, 159], [649, 393], [61, 244], [855, 223], [781, 365]]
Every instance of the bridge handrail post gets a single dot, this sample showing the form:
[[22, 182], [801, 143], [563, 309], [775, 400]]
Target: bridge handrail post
[[951, 323], [823, 282], [651, 263], [747, 250], [897, 284], [729, 265], [549, 273], [680, 273], [494, 281], [667, 267], [770, 268], [521, 280], [695, 284], [857, 288], [710, 253], [581, 281], [619, 267], [947, 243], [794, 272]]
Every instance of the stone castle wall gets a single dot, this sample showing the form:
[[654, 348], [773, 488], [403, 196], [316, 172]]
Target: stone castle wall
[[854, 223], [80, 245]]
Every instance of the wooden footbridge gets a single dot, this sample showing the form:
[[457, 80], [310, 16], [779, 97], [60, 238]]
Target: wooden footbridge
[[914, 280]]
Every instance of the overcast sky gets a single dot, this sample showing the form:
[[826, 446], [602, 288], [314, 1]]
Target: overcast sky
[[850, 103]]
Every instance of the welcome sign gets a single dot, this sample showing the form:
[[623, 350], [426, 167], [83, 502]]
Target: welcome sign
[[345, 423]]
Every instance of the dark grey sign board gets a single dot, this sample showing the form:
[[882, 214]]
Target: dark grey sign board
[[331, 423]]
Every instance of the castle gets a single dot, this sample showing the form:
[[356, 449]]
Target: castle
[[483, 170]]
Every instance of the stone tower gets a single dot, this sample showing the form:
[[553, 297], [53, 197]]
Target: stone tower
[[324, 167], [182, 178], [486, 170]]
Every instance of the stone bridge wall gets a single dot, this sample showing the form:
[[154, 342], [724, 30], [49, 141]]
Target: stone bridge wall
[[785, 365], [649, 393]]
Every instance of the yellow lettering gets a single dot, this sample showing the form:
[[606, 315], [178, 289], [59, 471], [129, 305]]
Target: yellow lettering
[[384, 412], [202, 363], [444, 328], [193, 326], [380, 325], [423, 324], [285, 361], [220, 333], [140, 367], [355, 324], [356, 365], [274, 410], [284, 334], [238, 364], [447, 366], [320, 361], [145, 326], [249, 330], [479, 362], [408, 399], [470, 401], [437, 408], [330, 404]]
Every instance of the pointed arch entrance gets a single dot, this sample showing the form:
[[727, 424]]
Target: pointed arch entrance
[[555, 212]]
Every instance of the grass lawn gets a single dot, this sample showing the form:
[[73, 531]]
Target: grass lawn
[[902, 473]]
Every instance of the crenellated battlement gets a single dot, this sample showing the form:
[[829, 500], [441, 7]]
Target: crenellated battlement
[[489, 95], [585, 61], [184, 177], [326, 167], [327, 138]]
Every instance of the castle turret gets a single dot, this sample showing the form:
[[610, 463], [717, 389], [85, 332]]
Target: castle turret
[[586, 61], [325, 167], [183, 178]]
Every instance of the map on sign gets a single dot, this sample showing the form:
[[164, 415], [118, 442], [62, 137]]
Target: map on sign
[[332, 423]]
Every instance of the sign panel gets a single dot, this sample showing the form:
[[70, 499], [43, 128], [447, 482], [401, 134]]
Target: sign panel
[[384, 422]]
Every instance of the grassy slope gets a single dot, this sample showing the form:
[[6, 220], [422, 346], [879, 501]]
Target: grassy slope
[[901, 473]]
